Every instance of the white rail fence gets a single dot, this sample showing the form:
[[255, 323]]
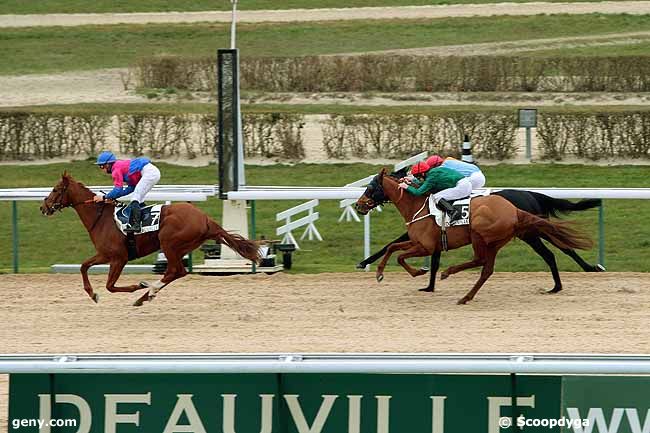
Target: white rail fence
[[522, 363], [167, 193], [311, 231]]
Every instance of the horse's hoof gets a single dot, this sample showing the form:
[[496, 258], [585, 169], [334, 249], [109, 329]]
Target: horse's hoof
[[444, 276], [138, 303], [143, 284], [360, 266], [426, 289], [423, 271], [380, 278], [462, 301], [599, 268], [95, 298], [553, 290]]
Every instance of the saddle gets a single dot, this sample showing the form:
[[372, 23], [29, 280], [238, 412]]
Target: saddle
[[150, 216], [461, 204]]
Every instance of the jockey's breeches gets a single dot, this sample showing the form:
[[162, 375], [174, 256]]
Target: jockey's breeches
[[150, 177], [462, 189], [477, 179]]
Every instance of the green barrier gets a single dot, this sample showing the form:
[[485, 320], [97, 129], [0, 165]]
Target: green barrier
[[612, 404], [280, 403]]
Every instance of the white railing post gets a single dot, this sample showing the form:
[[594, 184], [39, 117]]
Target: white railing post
[[311, 231]]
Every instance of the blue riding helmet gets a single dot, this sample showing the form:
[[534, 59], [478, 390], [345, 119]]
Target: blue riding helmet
[[105, 157]]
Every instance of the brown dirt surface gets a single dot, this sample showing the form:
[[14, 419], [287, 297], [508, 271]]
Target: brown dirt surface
[[347, 312], [603, 313]]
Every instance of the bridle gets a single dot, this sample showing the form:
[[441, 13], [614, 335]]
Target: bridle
[[57, 206]]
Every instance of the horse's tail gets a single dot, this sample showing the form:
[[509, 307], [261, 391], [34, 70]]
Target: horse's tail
[[242, 246], [562, 234], [555, 206]]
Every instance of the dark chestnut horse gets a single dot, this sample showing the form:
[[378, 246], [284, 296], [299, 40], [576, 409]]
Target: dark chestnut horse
[[536, 203], [183, 228], [494, 221]]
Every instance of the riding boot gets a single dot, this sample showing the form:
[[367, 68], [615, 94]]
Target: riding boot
[[135, 224], [449, 208]]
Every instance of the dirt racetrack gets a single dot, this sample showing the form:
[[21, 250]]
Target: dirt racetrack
[[604, 312]]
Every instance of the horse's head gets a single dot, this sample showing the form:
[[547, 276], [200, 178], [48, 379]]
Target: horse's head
[[373, 196], [59, 198]]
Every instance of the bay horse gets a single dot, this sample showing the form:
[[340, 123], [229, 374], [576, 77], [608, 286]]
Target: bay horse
[[494, 221], [183, 228], [536, 203]]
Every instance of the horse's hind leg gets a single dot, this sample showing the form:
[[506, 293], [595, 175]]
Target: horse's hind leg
[[581, 262], [391, 249], [114, 273], [488, 269], [488, 254], [548, 256], [175, 270], [94, 260]]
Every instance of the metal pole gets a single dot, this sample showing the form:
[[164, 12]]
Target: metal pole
[[513, 398], [529, 144], [601, 234], [234, 21], [14, 226], [253, 229], [366, 237]]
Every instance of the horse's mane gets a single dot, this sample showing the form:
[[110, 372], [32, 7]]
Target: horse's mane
[[70, 179], [402, 172]]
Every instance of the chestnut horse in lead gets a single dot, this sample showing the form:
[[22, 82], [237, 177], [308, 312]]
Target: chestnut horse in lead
[[494, 221], [183, 228]]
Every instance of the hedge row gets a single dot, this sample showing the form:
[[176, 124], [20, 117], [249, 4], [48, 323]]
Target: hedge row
[[398, 136], [407, 73], [25, 136], [594, 136]]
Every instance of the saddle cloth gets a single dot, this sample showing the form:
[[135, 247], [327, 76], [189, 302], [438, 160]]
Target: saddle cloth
[[150, 218], [460, 204]]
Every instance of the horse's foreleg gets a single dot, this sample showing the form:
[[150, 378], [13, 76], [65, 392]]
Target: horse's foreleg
[[416, 250], [114, 273], [94, 260], [389, 251], [371, 259], [435, 265]]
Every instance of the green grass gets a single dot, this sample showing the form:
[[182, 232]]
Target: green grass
[[62, 239], [99, 6], [52, 49]]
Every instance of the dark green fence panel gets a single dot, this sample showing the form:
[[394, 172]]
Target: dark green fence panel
[[612, 404], [280, 403]]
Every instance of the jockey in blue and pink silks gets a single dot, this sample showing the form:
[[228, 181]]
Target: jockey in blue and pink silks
[[140, 176]]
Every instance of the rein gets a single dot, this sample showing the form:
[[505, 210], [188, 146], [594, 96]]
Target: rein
[[100, 212], [414, 219]]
